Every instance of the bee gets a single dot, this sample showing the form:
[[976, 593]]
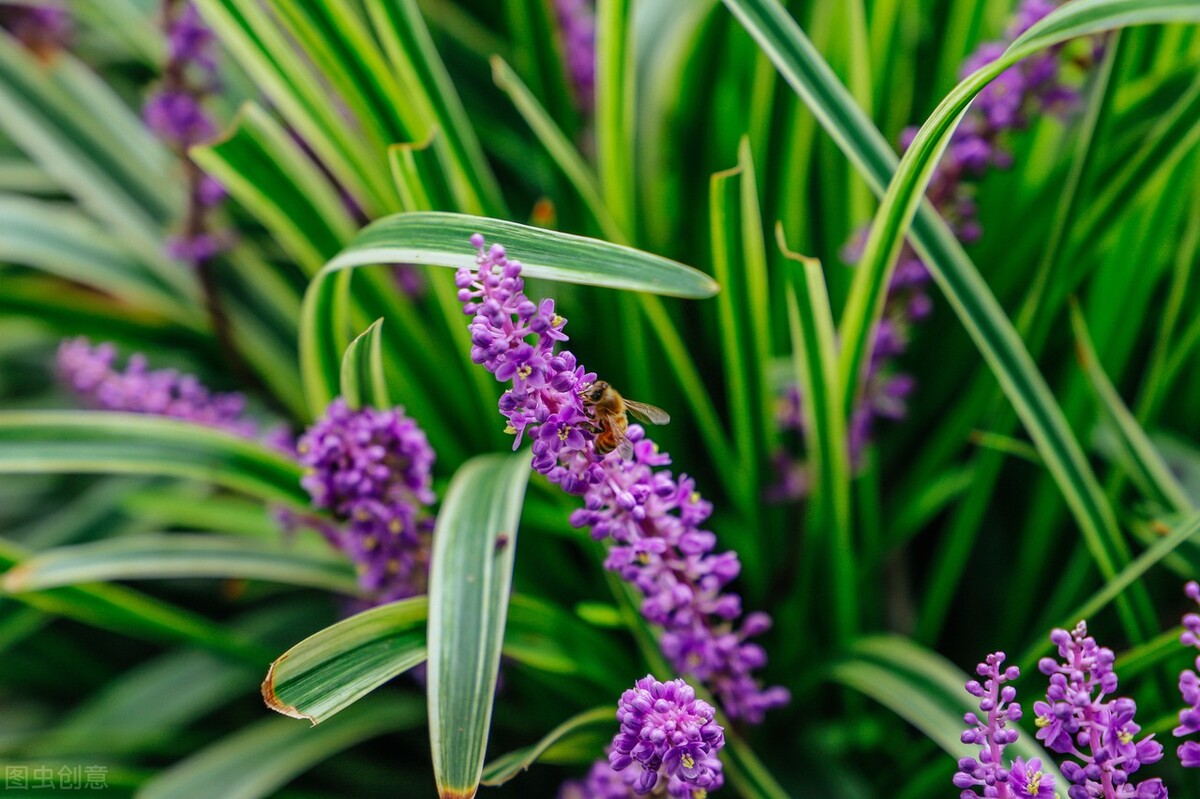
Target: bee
[[609, 412]]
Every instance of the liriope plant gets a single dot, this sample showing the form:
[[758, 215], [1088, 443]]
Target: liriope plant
[[279, 390]]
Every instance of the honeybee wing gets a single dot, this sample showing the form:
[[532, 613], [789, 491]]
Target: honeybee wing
[[625, 448], [647, 413]]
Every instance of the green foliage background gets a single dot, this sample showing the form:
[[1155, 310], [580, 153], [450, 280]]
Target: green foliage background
[[1048, 470]]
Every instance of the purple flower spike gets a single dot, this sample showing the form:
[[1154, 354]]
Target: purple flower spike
[[174, 111], [653, 517], [1189, 686], [577, 30], [990, 730], [91, 373], [1080, 720], [372, 470]]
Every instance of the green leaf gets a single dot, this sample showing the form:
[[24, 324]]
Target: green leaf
[[258, 760], [412, 55], [814, 351], [363, 381], [96, 442], [59, 240], [616, 97], [335, 667], [509, 765], [266, 171], [179, 555], [1146, 466], [1156, 552], [565, 154], [470, 578], [129, 612], [289, 76], [740, 266], [443, 239], [124, 180]]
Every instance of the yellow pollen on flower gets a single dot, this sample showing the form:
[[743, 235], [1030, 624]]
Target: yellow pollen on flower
[[687, 761], [695, 497], [525, 371], [556, 320], [363, 515], [643, 558], [699, 793], [1124, 736], [563, 433], [370, 542], [1035, 783], [694, 660], [393, 566], [1041, 721], [396, 526], [303, 448], [508, 428]]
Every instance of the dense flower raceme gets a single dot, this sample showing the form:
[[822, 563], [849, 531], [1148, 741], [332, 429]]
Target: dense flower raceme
[[668, 743], [175, 112], [372, 470], [577, 32], [90, 371], [990, 730], [1035, 85], [1189, 686], [1079, 719], [652, 517], [42, 28]]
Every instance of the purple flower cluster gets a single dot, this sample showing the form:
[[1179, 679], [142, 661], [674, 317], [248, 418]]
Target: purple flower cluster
[[91, 373], [671, 736], [979, 144], [991, 734], [42, 28], [371, 469], [577, 29], [653, 517], [175, 112], [1078, 719], [668, 743], [1189, 686]]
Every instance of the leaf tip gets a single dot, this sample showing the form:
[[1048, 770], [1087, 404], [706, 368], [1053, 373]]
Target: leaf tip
[[272, 700]]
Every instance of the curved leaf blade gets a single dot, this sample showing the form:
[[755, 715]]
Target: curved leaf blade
[[334, 668], [179, 555], [509, 765], [257, 760], [98, 442], [442, 239], [470, 578]]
